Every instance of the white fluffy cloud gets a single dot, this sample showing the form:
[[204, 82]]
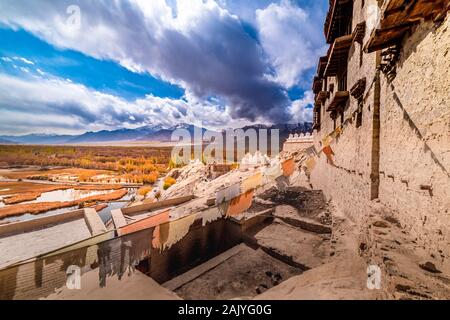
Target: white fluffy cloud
[[292, 39], [300, 110], [56, 105]]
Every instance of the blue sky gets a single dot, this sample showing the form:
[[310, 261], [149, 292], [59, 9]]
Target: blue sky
[[132, 63]]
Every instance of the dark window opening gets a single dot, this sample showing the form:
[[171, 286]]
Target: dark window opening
[[359, 115], [361, 56], [342, 81]]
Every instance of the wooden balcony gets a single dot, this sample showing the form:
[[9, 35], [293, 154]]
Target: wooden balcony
[[358, 89], [359, 32], [321, 97], [316, 112], [339, 99], [338, 55], [338, 18], [317, 85], [399, 16], [322, 65]]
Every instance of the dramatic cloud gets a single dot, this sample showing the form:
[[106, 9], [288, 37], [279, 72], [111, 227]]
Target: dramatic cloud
[[55, 105], [194, 43], [292, 38]]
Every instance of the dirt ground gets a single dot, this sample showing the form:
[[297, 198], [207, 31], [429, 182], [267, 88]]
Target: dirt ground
[[245, 275], [330, 252]]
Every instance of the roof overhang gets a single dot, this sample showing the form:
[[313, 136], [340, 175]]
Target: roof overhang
[[398, 16], [317, 85], [338, 15], [322, 65], [338, 55], [340, 98]]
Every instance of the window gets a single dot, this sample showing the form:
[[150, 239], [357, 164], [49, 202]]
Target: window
[[342, 81], [359, 115], [361, 55]]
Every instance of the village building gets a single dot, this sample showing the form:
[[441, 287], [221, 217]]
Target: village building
[[382, 115]]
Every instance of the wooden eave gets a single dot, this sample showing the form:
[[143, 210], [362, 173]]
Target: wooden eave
[[359, 88], [339, 99], [338, 55], [399, 16], [359, 32], [317, 85], [337, 13], [321, 97], [322, 65]]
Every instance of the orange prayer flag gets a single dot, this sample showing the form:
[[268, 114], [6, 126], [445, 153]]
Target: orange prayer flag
[[288, 167], [240, 204], [145, 223]]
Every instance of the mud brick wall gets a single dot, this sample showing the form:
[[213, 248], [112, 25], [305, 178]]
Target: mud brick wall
[[414, 136], [348, 183]]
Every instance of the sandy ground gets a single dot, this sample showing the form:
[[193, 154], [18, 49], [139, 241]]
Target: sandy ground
[[335, 251], [242, 276]]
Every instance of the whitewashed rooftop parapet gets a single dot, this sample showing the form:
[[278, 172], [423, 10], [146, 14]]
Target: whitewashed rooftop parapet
[[300, 137]]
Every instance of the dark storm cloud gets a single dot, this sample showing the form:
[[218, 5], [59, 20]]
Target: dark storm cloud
[[205, 49]]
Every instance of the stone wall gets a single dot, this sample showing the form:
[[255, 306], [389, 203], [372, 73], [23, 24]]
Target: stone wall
[[414, 136]]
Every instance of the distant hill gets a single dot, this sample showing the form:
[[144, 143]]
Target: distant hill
[[146, 133], [4, 141], [38, 139], [165, 135], [112, 136]]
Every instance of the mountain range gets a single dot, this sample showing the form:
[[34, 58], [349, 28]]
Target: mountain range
[[146, 133]]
